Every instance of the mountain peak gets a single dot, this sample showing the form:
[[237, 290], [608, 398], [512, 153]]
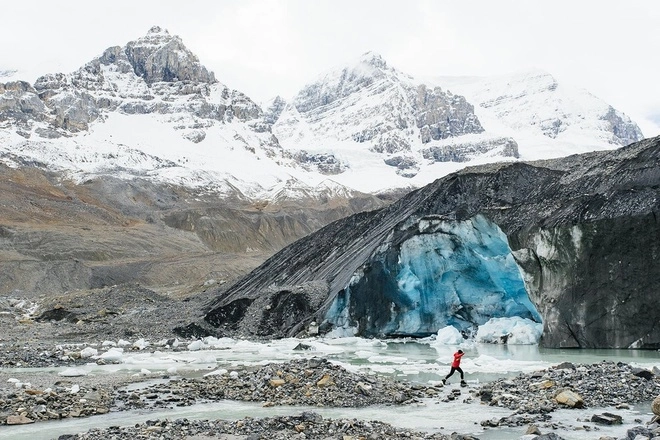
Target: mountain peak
[[360, 74], [534, 77], [158, 30], [373, 59], [159, 56]]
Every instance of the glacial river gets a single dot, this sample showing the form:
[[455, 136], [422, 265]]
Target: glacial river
[[416, 361]]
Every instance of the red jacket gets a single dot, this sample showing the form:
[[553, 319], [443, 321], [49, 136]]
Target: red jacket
[[457, 360]]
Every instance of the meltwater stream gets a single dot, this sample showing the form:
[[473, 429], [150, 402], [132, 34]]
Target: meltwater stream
[[411, 360]]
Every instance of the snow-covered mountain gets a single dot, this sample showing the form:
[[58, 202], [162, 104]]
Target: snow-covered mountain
[[548, 119], [425, 128], [371, 117], [151, 109], [148, 108]]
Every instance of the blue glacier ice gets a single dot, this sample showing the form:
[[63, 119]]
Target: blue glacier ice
[[446, 273]]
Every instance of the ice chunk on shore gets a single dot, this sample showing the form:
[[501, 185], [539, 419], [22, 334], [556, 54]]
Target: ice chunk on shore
[[218, 372], [113, 354], [73, 372], [514, 330], [88, 352], [449, 336], [140, 344], [195, 345]]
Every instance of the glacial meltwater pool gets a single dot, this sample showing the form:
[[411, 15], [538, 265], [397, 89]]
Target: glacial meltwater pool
[[421, 361]]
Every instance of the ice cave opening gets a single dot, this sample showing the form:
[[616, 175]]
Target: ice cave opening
[[459, 274]]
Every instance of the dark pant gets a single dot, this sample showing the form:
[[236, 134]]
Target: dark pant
[[452, 372]]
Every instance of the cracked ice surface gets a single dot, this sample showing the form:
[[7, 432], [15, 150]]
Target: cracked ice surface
[[458, 274]]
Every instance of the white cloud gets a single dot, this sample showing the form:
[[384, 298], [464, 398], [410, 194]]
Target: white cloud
[[269, 47]]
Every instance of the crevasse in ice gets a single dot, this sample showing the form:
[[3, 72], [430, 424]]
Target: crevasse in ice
[[458, 273]]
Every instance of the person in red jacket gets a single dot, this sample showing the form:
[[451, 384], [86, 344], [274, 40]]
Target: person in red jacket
[[456, 366]]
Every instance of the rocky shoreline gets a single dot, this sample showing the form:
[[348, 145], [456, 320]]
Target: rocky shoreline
[[307, 425], [315, 381], [304, 382], [533, 397]]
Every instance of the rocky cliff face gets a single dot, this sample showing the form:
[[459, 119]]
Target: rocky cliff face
[[574, 243], [158, 57], [396, 100]]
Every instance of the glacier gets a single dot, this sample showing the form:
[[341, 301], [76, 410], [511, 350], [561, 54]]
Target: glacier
[[445, 273]]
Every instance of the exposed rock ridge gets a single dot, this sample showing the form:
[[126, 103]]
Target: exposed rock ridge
[[584, 231]]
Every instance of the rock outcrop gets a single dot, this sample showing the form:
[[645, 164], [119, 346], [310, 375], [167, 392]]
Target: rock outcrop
[[583, 232]]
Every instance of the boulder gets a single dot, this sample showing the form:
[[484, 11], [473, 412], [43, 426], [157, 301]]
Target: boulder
[[641, 372], [607, 419], [639, 433], [655, 406], [325, 381], [533, 429], [276, 382], [548, 436], [565, 366], [570, 398], [18, 420]]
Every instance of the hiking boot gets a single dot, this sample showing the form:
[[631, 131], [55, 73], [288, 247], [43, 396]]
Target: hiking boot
[[444, 381], [463, 383]]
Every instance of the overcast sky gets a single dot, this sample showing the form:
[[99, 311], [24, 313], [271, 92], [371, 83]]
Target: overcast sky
[[274, 47]]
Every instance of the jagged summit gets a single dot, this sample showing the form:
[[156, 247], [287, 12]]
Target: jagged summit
[[273, 109], [374, 59], [369, 71], [158, 56], [373, 109], [157, 33], [152, 74], [372, 64]]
